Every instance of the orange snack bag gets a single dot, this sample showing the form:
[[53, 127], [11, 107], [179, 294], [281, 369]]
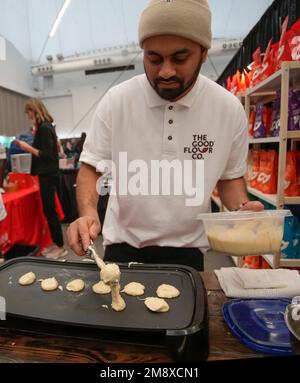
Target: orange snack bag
[[284, 50], [248, 78], [297, 158], [252, 119], [252, 262], [234, 84], [268, 170], [241, 82], [290, 179], [267, 67], [256, 67], [252, 179]]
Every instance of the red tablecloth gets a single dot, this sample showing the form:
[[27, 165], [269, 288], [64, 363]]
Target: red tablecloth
[[25, 222]]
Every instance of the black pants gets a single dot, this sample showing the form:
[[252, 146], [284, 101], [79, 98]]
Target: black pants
[[48, 187], [122, 252]]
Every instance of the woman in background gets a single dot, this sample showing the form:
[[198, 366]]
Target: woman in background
[[45, 165]]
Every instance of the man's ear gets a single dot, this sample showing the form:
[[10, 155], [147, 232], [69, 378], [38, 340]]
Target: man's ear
[[204, 54]]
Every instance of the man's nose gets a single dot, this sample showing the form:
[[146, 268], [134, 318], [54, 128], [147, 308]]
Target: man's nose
[[167, 70]]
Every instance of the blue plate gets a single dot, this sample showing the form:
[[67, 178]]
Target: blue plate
[[259, 324]]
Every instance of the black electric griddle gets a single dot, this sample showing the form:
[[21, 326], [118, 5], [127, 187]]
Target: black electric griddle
[[184, 327]]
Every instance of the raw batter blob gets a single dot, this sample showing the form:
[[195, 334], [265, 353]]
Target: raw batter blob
[[167, 291], [101, 288], [134, 288], [76, 285], [157, 305], [118, 303], [110, 273], [49, 284], [27, 279]]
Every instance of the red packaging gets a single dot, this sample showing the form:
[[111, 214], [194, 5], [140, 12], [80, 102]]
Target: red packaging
[[248, 78], [284, 51], [290, 178], [228, 83], [256, 67], [234, 84], [255, 169], [268, 170], [297, 158], [241, 82], [267, 68], [267, 119], [252, 262], [252, 119], [294, 40]]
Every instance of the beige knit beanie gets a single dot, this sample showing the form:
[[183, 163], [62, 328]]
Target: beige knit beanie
[[185, 18]]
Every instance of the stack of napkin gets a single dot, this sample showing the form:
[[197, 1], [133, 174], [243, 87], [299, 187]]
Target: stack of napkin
[[249, 283]]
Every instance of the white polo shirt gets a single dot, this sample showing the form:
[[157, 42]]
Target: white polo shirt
[[208, 125]]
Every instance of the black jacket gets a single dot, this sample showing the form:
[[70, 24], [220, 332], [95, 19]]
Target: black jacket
[[45, 141]]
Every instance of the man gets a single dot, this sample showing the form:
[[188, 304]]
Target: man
[[173, 115]]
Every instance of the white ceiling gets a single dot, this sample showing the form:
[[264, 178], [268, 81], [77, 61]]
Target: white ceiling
[[94, 24]]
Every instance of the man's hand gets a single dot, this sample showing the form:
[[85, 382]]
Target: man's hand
[[252, 206], [81, 232]]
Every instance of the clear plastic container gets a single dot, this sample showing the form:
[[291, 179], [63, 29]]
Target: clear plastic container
[[21, 163], [245, 233]]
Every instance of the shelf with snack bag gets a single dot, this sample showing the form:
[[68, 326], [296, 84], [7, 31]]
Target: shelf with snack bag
[[269, 89], [264, 140]]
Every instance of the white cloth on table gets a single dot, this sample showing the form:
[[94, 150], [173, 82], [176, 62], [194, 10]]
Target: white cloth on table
[[240, 283]]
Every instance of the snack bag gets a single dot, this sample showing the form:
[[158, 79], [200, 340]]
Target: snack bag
[[234, 85], [248, 78], [252, 262], [297, 157], [268, 172], [228, 83], [275, 127], [252, 177], [294, 111], [284, 51], [241, 82], [295, 41], [267, 119], [267, 67], [252, 119], [259, 127], [256, 67], [261, 175], [290, 179]]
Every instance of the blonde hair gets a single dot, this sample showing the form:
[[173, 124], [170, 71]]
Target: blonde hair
[[41, 113]]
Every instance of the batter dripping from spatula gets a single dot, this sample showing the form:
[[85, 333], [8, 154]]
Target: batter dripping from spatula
[[110, 275]]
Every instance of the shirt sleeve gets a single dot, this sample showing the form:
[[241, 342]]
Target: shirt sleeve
[[97, 146], [236, 166]]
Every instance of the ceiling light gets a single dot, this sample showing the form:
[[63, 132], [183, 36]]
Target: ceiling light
[[59, 17]]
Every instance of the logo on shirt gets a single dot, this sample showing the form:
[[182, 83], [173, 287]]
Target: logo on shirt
[[201, 146]]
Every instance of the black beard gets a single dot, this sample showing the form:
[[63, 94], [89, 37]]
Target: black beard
[[174, 94]]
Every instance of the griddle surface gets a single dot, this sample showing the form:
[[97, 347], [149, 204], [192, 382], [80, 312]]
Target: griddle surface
[[85, 308]]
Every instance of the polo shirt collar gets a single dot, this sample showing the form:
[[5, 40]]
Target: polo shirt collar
[[154, 100]]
